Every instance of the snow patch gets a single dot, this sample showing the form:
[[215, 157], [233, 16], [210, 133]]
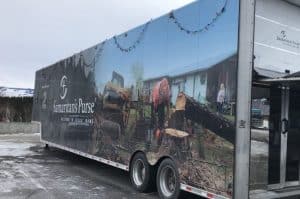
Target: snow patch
[[16, 92], [99, 188], [74, 187], [6, 175], [15, 149], [259, 148]]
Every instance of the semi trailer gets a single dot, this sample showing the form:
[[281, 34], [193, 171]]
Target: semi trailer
[[203, 99]]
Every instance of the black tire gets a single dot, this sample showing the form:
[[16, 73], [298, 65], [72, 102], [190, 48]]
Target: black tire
[[141, 174], [168, 189]]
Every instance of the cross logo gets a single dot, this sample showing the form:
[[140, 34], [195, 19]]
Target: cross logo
[[63, 85], [283, 34]]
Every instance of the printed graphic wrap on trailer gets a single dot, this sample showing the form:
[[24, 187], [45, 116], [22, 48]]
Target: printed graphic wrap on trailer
[[164, 90]]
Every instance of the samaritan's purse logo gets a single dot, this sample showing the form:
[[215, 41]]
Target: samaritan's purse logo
[[64, 89], [73, 105], [283, 37]]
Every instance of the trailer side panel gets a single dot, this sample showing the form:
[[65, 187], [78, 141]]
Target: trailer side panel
[[166, 88]]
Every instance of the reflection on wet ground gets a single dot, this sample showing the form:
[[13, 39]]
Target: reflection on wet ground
[[27, 170]]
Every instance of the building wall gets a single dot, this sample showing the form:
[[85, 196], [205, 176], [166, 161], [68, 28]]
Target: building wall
[[19, 127], [277, 36], [15, 109], [193, 85]]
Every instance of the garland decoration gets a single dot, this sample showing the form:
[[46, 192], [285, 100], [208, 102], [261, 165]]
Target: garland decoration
[[135, 44], [96, 57], [202, 29]]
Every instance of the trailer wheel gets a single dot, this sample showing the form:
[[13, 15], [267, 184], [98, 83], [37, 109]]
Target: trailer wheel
[[141, 173], [167, 180]]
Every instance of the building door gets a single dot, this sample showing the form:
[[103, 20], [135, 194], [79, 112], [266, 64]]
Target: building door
[[284, 143], [292, 139]]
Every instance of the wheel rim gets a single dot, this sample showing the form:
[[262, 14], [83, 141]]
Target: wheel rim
[[168, 181], [139, 172]]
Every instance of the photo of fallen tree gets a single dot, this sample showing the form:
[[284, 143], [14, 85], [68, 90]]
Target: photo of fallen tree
[[165, 95], [200, 138]]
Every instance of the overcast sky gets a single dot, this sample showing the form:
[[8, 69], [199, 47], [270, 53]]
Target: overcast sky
[[35, 33]]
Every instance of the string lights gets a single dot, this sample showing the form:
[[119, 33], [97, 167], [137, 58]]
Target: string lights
[[96, 57], [136, 43], [202, 29], [178, 24]]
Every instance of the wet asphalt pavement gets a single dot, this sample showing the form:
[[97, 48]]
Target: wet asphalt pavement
[[28, 171]]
